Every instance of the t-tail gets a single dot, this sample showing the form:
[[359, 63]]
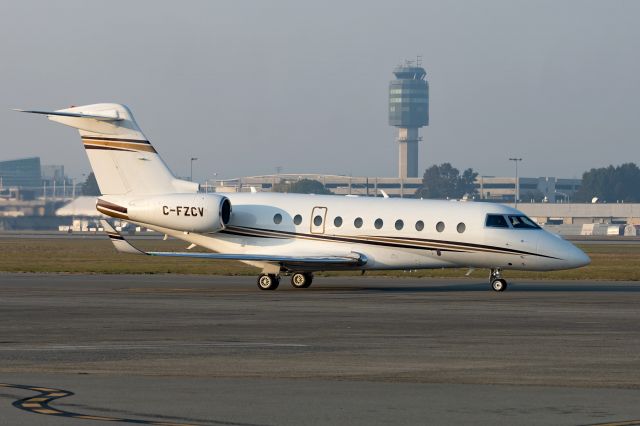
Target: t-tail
[[122, 158]]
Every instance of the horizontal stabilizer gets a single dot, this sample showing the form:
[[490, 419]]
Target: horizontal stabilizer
[[123, 246], [118, 240], [105, 117]]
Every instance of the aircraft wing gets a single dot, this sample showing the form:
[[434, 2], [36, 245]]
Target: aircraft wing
[[354, 260]]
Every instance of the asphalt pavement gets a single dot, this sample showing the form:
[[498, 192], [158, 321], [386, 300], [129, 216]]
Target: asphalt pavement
[[172, 349]]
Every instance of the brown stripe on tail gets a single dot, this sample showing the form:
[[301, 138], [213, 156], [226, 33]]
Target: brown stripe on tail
[[102, 138], [116, 144]]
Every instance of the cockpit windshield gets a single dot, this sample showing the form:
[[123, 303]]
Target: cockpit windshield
[[522, 222], [496, 221], [510, 221]]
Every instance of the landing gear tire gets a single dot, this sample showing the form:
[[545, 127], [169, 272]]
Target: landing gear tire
[[499, 284], [268, 281], [301, 280]]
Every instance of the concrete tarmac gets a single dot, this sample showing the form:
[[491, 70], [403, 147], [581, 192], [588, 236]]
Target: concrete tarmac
[[170, 349]]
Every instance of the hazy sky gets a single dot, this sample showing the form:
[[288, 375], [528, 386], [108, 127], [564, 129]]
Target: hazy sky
[[250, 85]]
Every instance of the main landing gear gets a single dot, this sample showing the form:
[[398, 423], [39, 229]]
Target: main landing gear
[[301, 279], [497, 282], [268, 281], [272, 281]]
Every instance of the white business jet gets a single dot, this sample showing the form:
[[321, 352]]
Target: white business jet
[[301, 234]]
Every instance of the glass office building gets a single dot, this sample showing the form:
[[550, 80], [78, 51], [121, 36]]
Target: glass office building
[[23, 173]]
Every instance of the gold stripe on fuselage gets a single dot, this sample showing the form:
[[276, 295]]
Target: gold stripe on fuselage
[[369, 239]]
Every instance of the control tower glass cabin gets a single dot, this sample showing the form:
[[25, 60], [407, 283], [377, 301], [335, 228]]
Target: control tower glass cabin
[[408, 111]]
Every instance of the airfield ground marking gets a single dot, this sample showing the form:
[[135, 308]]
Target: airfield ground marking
[[40, 404]]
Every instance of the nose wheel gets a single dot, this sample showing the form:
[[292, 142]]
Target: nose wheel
[[497, 282], [499, 285]]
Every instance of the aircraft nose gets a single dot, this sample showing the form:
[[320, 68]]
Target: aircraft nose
[[569, 255], [576, 257]]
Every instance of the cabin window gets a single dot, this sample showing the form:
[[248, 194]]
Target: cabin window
[[522, 222], [317, 221], [337, 222], [358, 222], [440, 226], [419, 225], [399, 224], [378, 223], [496, 221], [277, 218], [297, 219], [461, 227]]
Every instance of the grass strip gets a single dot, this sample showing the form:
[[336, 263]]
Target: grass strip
[[609, 261]]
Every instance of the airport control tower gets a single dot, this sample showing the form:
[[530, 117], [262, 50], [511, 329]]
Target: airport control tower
[[408, 111]]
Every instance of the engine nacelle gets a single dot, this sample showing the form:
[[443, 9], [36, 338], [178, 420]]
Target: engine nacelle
[[184, 212]]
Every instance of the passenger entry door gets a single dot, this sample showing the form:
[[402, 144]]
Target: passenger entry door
[[318, 217]]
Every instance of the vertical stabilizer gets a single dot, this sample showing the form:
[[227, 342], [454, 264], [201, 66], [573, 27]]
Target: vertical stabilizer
[[123, 160]]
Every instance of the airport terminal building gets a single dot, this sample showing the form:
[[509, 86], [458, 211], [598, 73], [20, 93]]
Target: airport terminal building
[[491, 188]]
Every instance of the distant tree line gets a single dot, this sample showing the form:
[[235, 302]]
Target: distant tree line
[[611, 184], [446, 182]]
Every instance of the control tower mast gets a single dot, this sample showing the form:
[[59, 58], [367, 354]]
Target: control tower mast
[[408, 111]]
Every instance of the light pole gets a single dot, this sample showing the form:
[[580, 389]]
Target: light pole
[[191, 174], [517, 195], [215, 177], [565, 197]]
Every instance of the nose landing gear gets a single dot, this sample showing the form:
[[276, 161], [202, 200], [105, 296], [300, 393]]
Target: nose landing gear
[[497, 282]]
